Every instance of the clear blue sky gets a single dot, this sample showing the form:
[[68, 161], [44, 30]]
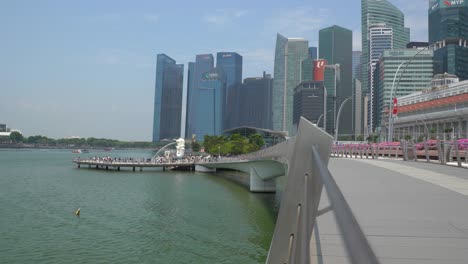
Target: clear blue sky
[[87, 68]]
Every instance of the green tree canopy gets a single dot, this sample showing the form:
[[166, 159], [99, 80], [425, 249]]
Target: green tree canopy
[[16, 137]]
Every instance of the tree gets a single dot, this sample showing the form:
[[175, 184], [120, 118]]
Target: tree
[[257, 141], [16, 137], [195, 146]]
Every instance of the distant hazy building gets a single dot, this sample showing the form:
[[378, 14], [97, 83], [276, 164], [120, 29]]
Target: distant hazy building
[[356, 64], [313, 54], [231, 64], [255, 102], [448, 22], [380, 11], [206, 96], [289, 54], [308, 102], [307, 70], [167, 98], [358, 108], [416, 77], [3, 128], [335, 46]]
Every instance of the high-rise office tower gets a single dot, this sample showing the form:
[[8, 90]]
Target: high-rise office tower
[[358, 109], [336, 46], [255, 104], [167, 98], [358, 98], [357, 67], [380, 39], [231, 64], [448, 22], [309, 102], [374, 12], [289, 54], [206, 96], [416, 77]]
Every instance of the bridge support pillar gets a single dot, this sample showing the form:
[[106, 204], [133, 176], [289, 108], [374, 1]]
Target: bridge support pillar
[[259, 185], [201, 168]]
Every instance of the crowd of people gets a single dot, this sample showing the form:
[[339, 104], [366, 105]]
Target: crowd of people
[[170, 159]]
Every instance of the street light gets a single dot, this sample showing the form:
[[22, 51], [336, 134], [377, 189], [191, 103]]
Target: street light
[[219, 151], [390, 114], [320, 118], [338, 117], [425, 128]]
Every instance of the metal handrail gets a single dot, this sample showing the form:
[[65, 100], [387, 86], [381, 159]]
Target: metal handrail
[[307, 159]]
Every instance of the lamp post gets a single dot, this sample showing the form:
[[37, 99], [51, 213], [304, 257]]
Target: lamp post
[[338, 117], [425, 128], [219, 151], [390, 114], [320, 118]]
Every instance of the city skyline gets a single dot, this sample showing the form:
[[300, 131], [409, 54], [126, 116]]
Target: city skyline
[[65, 65]]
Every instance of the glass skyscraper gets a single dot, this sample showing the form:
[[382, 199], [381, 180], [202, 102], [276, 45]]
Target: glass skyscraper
[[231, 64], [167, 98], [336, 46], [374, 12], [206, 96], [380, 39], [357, 67], [289, 54], [448, 22], [255, 106]]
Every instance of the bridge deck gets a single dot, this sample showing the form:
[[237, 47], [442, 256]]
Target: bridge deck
[[410, 212]]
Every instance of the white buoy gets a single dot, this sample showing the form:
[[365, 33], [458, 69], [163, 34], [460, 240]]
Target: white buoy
[[77, 212]]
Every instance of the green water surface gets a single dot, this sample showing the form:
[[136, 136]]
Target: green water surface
[[126, 217]]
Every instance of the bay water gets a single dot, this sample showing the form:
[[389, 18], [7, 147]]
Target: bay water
[[126, 216]]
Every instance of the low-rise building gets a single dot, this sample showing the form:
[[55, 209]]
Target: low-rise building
[[440, 112]]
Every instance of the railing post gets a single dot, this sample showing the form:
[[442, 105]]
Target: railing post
[[450, 152], [403, 149], [457, 152], [426, 151]]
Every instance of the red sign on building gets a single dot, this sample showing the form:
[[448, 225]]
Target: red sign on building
[[319, 69], [395, 106]]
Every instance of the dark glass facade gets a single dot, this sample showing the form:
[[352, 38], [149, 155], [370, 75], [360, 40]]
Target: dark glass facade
[[168, 98], [357, 67], [448, 22], [335, 46], [231, 64], [307, 70], [206, 96], [308, 101], [255, 104]]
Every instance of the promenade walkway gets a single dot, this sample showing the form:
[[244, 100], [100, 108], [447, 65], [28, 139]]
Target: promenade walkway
[[411, 212]]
